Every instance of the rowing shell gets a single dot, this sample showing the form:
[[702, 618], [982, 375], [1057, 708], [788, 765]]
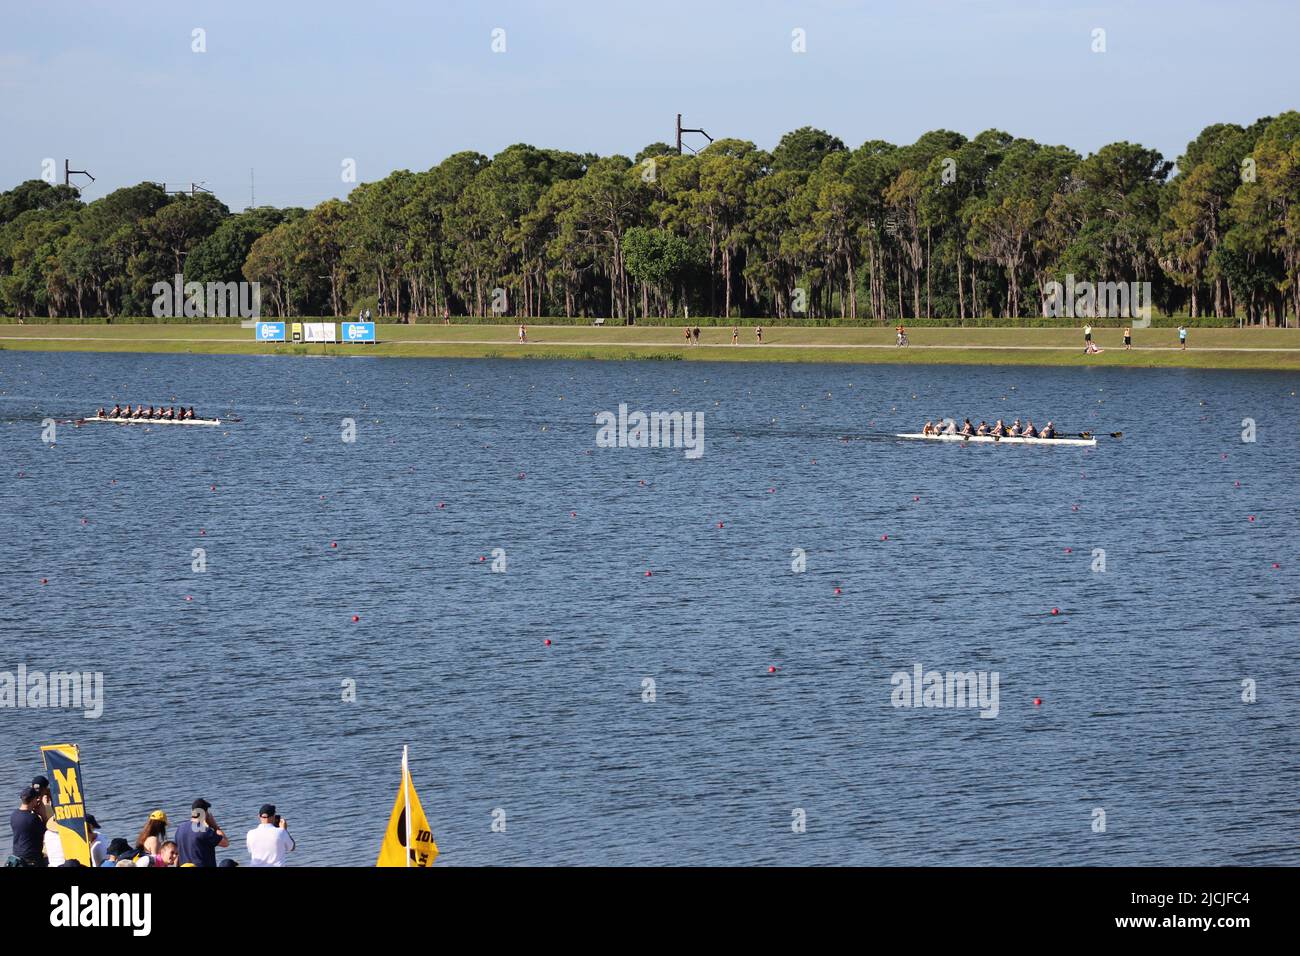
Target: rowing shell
[[1090, 442], [152, 421]]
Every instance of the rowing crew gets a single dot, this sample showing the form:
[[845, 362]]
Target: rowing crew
[[169, 414], [997, 430]]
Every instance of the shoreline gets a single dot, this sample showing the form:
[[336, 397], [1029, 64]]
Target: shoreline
[[1238, 349]]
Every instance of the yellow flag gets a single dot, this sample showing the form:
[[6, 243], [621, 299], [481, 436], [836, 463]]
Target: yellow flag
[[63, 764], [408, 840]]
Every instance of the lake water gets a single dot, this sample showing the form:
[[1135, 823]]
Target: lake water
[[236, 694]]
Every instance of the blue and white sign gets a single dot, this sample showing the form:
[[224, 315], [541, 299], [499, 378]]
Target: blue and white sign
[[358, 332], [270, 331]]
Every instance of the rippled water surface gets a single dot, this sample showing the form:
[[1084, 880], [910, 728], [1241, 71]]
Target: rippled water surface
[[947, 557]]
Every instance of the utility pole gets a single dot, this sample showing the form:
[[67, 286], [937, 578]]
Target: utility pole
[[681, 129], [251, 202], [69, 173]]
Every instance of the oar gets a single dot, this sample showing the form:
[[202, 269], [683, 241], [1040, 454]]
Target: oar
[[1091, 435]]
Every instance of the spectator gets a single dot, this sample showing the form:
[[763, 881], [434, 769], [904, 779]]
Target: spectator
[[28, 830], [53, 843], [45, 803], [269, 842], [96, 844], [153, 834], [117, 854], [168, 855], [198, 840]]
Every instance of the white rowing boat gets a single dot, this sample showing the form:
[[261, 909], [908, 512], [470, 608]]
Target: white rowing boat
[[152, 421], [1090, 442]]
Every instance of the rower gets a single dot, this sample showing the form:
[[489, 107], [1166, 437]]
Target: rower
[[928, 429], [1030, 430], [951, 427], [967, 428], [1015, 429], [117, 411], [998, 430], [100, 413], [983, 429], [170, 413], [1048, 431], [190, 413]]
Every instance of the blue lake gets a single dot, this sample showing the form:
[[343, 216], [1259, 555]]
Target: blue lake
[[947, 557]]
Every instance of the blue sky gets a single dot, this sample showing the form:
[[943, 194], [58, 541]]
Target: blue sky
[[294, 88]]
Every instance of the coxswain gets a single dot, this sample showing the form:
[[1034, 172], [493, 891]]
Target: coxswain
[[928, 429], [100, 413]]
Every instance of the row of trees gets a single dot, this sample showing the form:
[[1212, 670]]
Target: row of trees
[[945, 227]]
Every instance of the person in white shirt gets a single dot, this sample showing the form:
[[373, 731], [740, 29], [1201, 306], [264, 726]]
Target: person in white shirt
[[269, 842], [53, 845]]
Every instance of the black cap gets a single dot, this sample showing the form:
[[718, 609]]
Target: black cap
[[28, 795], [90, 818], [268, 810], [200, 804], [117, 847], [73, 862], [40, 782], [228, 862]]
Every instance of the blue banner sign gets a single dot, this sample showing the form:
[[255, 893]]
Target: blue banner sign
[[358, 332], [270, 331]]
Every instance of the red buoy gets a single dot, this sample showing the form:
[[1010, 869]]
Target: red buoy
[[837, 591], [771, 670], [189, 597], [1038, 701], [573, 514], [647, 574], [355, 618], [441, 505], [771, 491], [1251, 518], [1276, 565], [1056, 610], [45, 580], [547, 642], [719, 524], [1069, 551], [884, 537], [334, 544]]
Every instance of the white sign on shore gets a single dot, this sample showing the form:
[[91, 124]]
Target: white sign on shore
[[319, 332]]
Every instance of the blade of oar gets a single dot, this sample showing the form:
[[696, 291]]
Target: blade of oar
[[1093, 435]]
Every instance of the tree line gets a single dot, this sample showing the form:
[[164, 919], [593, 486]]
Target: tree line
[[947, 227]]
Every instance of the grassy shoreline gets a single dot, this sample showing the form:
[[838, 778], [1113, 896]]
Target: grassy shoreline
[[1154, 348]]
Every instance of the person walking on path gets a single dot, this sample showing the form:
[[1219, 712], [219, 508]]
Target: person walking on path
[[1182, 337]]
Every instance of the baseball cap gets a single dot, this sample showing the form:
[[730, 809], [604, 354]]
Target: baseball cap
[[158, 815], [200, 804], [268, 810], [90, 818], [39, 781], [118, 846]]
